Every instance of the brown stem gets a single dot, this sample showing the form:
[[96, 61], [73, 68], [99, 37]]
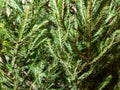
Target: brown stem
[[88, 31]]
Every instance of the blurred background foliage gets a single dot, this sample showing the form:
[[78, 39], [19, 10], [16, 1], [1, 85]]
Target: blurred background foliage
[[59, 44]]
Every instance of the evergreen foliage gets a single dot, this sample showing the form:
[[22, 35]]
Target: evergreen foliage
[[59, 44]]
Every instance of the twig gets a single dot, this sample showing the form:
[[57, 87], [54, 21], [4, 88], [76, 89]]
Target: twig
[[20, 38], [104, 51], [88, 31], [60, 41], [24, 24]]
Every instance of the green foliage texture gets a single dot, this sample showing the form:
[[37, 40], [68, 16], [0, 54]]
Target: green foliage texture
[[59, 44]]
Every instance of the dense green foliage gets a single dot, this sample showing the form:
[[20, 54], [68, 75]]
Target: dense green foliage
[[59, 44]]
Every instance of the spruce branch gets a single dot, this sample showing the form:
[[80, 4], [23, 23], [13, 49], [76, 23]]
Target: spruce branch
[[60, 41], [1, 6], [106, 49], [24, 23], [63, 9], [21, 32], [63, 14], [88, 30]]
